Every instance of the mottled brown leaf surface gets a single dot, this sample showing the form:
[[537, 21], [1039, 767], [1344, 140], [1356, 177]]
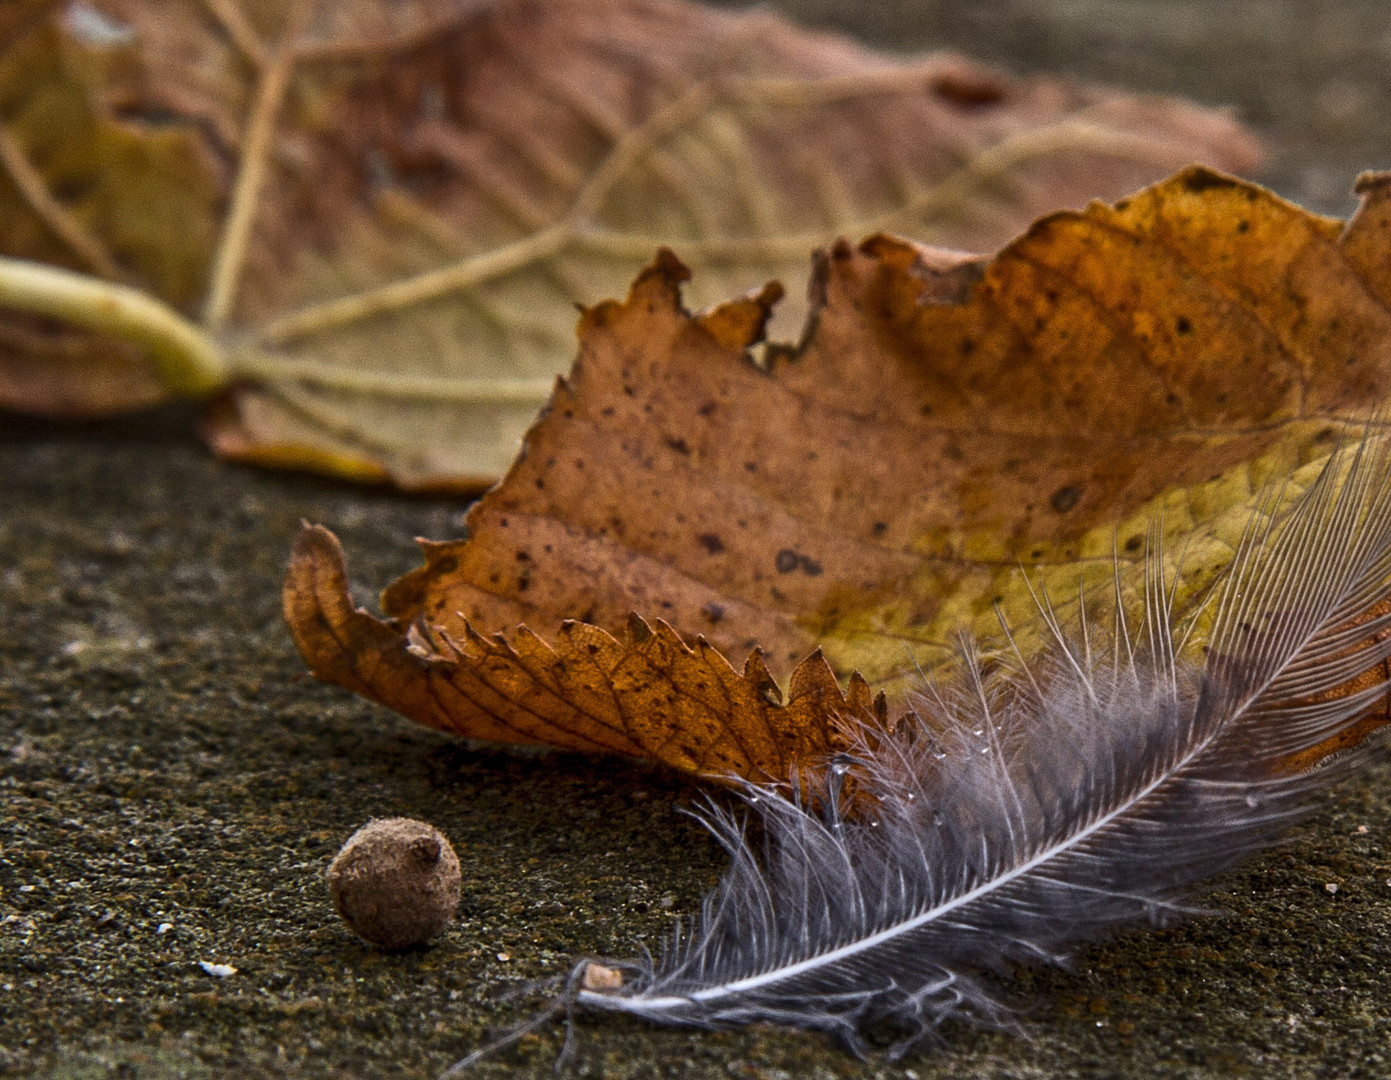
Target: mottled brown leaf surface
[[385, 210], [645, 693], [945, 420]]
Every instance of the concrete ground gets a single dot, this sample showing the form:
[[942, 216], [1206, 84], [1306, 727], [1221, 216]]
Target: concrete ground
[[172, 785]]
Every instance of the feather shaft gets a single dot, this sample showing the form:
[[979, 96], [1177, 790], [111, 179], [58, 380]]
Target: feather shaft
[[1029, 804]]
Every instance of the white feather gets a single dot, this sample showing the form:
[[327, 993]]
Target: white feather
[[1026, 806]]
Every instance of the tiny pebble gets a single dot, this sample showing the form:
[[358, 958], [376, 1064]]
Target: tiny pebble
[[164, 928], [1362, 828], [395, 882], [599, 978], [217, 971], [503, 957], [1331, 887]]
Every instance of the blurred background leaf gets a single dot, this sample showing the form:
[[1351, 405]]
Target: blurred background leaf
[[383, 213]]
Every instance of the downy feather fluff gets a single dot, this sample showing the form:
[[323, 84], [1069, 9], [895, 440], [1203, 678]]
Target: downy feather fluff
[[1026, 806]]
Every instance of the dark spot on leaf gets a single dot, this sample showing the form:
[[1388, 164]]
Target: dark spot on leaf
[[713, 611], [1183, 326], [708, 409], [1134, 543], [1206, 180], [968, 91], [880, 528], [1065, 498], [711, 543], [70, 189], [1243, 226], [149, 116], [789, 560], [751, 466], [677, 444]]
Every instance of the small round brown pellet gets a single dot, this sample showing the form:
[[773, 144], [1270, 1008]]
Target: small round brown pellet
[[395, 882]]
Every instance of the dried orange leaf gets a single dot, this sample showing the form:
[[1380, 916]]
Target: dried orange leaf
[[649, 695], [382, 212], [944, 420]]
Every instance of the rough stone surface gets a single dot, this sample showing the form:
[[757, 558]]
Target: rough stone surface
[[395, 882], [172, 786]]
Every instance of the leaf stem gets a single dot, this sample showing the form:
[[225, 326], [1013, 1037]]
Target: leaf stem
[[189, 361], [233, 23], [270, 95], [271, 371], [416, 290]]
